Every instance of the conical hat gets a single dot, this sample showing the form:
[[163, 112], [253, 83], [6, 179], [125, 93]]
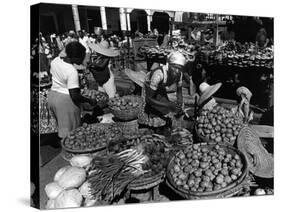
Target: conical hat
[[104, 49], [136, 76], [260, 161], [207, 91]]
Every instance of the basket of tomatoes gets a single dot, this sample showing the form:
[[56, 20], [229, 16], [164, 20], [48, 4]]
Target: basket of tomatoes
[[90, 138], [218, 125], [203, 171], [125, 108]]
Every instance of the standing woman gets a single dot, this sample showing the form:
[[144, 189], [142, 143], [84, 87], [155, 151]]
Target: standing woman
[[64, 98], [100, 68]]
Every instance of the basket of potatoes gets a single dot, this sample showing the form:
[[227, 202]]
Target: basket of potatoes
[[203, 171], [126, 107], [219, 125]]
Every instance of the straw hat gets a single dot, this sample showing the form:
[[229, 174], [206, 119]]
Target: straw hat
[[104, 49], [260, 161], [207, 91], [136, 76]]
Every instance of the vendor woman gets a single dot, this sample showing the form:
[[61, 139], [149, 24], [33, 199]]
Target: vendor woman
[[159, 82], [100, 68], [64, 99]]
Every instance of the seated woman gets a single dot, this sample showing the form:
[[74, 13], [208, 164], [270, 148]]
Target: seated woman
[[64, 99], [162, 80]]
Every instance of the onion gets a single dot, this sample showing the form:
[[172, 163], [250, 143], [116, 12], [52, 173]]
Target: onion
[[60, 173]]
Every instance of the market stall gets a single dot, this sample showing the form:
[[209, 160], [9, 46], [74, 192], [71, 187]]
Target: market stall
[[135, 163], [213, 148]]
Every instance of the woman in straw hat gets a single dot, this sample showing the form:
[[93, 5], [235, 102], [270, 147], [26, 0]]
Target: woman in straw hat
[[206, 100], [100, 68]]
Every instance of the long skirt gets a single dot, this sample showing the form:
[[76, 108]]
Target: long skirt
[[66, 112]]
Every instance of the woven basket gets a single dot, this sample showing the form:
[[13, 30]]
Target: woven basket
[[99, 126], [144, 183], [128, 128], [213, 194], [130, 114]]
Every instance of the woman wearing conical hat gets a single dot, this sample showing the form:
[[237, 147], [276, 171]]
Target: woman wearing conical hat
[[100, 68]]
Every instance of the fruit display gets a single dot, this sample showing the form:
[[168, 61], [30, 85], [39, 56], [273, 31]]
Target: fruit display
[[206, 168], [100, 97], [126, 107], [236, 54], [109, 175], [91, 137], [218, 125]]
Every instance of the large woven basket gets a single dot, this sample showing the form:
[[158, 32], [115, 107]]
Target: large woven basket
[[130, 114], [213, 194], [99, 127], [144, 183]]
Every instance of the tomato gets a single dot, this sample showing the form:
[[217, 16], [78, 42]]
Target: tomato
[[233, 177]]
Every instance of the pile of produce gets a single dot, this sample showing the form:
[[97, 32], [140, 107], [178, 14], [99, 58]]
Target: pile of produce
[[145, 119], [65, 190], [110, 175], [218, 125], [236, 54], [100, 97], [156, 51], [120, 103], [180, 137], [205, 168], [126, 107], [91, 137], [151, 145]]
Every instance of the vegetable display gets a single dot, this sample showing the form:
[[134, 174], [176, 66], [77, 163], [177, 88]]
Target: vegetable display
[[100, 97], [110, 175], [219, 125], [91, 137], [145, 119], [151, 145], [199, 168], [180, 136], [120, 103], [125, 107]]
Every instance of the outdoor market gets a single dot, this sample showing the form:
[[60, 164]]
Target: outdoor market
[[142, 105]]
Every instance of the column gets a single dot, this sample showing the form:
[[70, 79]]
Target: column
[[75, 14], [122, 19], [128, 21], [149, 20], [103, 18]]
